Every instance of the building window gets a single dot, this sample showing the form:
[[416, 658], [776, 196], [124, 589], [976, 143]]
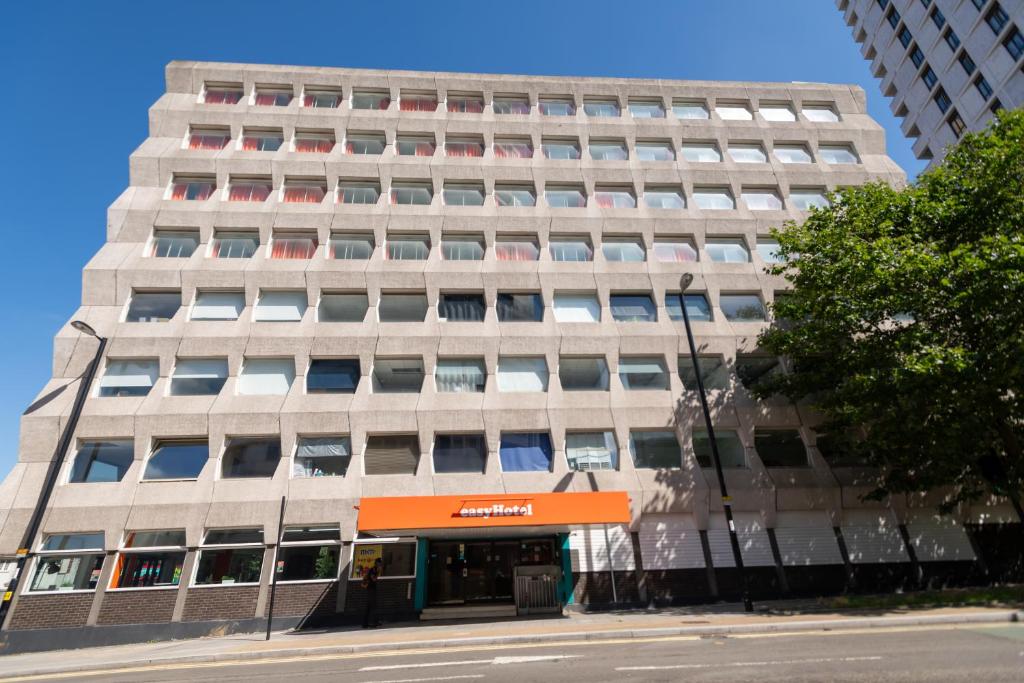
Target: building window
[[309, 553], [623, 250], [942, 100], [259, 140], [893, 17], [805, 200], [250, 458], [217, 305], [192, 189], [402, 307], [697, 307], [297, 191], [761, 199], [576, 308], [655, 150], [407, 247], [780, 448], [460, 375], [838, 154], [690, 109], [556, 106], [272, 97], [747, 153], [514, 195], [727, 250], [512, 248], [294, 246], [68, 562], [916, 56], [713, 373], [322, 456], [365, 143], [397, 375], [967, 63], [511, 104], [458, 453], [461, 307], [643, 372], [356, 192], [415, 145], [513, 148], [463, 147], [997, 18], [565, 197], [152, 307], [984, 89], [956, 124], [411, 194], [102, 461], [522, 374], [463, 194], [929, 77], [391, 454], [208, 138], [674, 250], [979, 4], [398, 559], [1014, 43], [350, 246], [332, 376], [663, 198], [266, 376], [731, 453], [995, 106], [564, 149], [583, 374], [633, 308], [576, 249], [311, 142], [602, 108], [713, 198], [248, 190], [768, 250], [950, 37], [742, 308], [174, 244], [222, 93], [905, 37], [938, 18], [701, 152], [234, 244], [465, 103], [521, 308], [610, 197], [734, 112], [792, 154], [590, 451], [655, 450], [417, 101], [199, 376], [820, 114], [777, 113], [370, 99], [128, 378], [608, 150], [150, 559], [340, 307], [525, 452], [322, 99], [750, 369], [646, 109], [177, 459], [230, 556]]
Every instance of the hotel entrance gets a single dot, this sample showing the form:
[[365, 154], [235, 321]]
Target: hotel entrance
[[473, 571]]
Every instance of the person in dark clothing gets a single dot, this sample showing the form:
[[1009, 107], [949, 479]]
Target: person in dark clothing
[[370, 584]]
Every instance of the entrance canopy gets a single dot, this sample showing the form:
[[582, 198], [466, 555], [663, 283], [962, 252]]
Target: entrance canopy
[[521, 511]]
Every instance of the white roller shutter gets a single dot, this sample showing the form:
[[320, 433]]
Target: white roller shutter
[[755, 546], [670, 542], [589, 553], [129, 374], [939, 539], [806, 538], [872, 536]]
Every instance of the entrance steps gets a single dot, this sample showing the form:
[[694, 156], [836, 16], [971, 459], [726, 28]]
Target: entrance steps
[[467, 612]]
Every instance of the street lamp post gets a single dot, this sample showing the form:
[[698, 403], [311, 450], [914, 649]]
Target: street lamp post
[[56, 465], [685, 282]]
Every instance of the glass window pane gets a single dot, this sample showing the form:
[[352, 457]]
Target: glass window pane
[[419, 195], [366, 99], [730, 449], [623, 250], [516, 104], [458, 375], [674, 251], [701, 152], [727, 251], [519, 307], [516, 249], [768, 250], [199, 376], [522, 374], [655, 151], [733, 112], [168, 244], [463, 195], [415, 146], [613, 198], [633, 308], [713, 373], [459, 453], [837, 154], [102, 461], [417, 101], [589, 451], [351, 247], [66, 572], [358, 193], [462, 248], [177, 460], [780, 448], [365, 144], [792, 154], [565, 198], [747, 154], [805, 200], [215, 305], [608, 150], [391, 454], [697, 307], [320, 456], [87, 541], [128, 378], [319, 143], [280, 306], [513, 148], [293, 247], [152, 569], [514, 195], [308, 562], [565, 150], [761, 200], [155, 539], [556, 107], [713, 199], [244, 457], [601, 108], [820, 114], [778, 113], [229, 536], [664, 199], [397, 375], [229, 566], [655, 450], [742, 307], [326, 532], [647, 372], [750, 369], [342, 308], [525, 452], [397, 559], [408, 248], [234, 245], [461, 307], [690, 110], [332, 376], [583, 374], [640, 109], [576, 308], [398, 308], [266, 376], [568, 249], [150, 307]]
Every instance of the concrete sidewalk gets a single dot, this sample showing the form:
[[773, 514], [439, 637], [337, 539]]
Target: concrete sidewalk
[[573, 626]]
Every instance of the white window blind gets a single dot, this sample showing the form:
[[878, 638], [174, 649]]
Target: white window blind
[[522, 374], [266, 376], [670, 542], [218, 305], [129, 377], [576, 308], [280, 306], [460, 375], [198, 376], [589, 552]]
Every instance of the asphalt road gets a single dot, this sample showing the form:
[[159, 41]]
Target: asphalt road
[[982, 654]]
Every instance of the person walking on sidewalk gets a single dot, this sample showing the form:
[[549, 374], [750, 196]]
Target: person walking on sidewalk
[[370, 584]]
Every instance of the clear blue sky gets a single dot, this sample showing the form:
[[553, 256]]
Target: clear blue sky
[[80, 76]]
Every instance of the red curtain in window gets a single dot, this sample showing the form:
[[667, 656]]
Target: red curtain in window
[[417, 104], [604, 201], [512, 151], [250, 144], [201, 141], [222, 97], [674, 252], [464, 149], [320, 146], [516, 252], [294, 248], [248, 192], [179, 190], [303, 195], [466, 106], [424, 149]]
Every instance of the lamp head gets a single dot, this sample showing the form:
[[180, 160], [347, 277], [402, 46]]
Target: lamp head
[[84, 328], [685, 281]]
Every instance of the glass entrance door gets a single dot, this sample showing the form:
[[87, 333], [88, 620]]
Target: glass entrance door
[[471, 571]]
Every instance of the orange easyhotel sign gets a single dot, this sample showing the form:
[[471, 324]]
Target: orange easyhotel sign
[[493, 510]]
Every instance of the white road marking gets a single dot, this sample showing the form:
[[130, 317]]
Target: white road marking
[[423, 665], [533, 658], [435, 678], [773, 662]]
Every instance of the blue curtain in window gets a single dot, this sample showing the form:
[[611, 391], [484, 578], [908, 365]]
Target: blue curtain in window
[[525, 453]]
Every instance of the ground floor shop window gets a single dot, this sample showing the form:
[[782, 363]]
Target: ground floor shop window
[[150, 559], [68, 562], [230, 556], [398, 558], [309, 553]]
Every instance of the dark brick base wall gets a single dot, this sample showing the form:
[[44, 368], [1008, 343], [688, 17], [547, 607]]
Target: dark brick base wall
[[815, 580], [52, 611], [1001, 547], [395, 600], [315, 601], [595, 588], [137, 607], [678, 587], [221, 602], [883, 578], [762, 583]]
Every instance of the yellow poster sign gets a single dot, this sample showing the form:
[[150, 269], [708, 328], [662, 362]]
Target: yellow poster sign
[[364, 557]]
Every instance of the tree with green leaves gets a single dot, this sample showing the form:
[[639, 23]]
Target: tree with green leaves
[[905, 324]]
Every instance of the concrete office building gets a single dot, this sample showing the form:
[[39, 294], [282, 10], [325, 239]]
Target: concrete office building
[[947, 65], [440, 315]]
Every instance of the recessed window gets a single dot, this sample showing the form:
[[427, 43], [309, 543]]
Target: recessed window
[[1014, 43], [583, 374], [905, 36], [342, 307], [313, 142], [917, 56], [612, 197], [734, 112], [185, 188], [460, 375], [778, 113], [742, 308], [358, 192], [984, 89], [697, 307], [408, 247], [837, 154], [174, 243], [519, 308], [249, 189], [750, 369], [218, 305], [461, 307], [250, 457], [730, 250], [415, 145], [102, 461], [295, 191], [633, 308], [128, 378], [646, 109], [565, 196], [747, 153], [663, 198], [556, 106], [222, 93], [397, 375], [402, 307], [266, 376], [522, 374], [655, 150], [713, 198], [211, 139], [302, 558], [365, 143], [262, 140], [513, 248], [417, 101], [601, 108], [761, 199], [272, 97], [513, 148], [792, 154], [370, 99], [820, 114], [608, 150], [514, 195], [576, 308], [575, 249], [463, 194], [322, 99], [730, 449], [952, 40], [690, 109], [780, 448], [234, 244], [713, 373], [411, 194], [332, 376], [350, 246], [463, 146], [674, 250], [177, 459], [230, 556], [150, 559], [701, 152], [805, 200], [655, 450], [391, 454], [643, 372], [322, 456], [956, 124], [525, 452], [294, 246], [465, 103], [554, 148], [997, 19], [511, 104], [623, 249], [152, 307], [929, 77], [590, 451], [942, 100], [458, 453], [768, 250], [199, 376], [72, 569]]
